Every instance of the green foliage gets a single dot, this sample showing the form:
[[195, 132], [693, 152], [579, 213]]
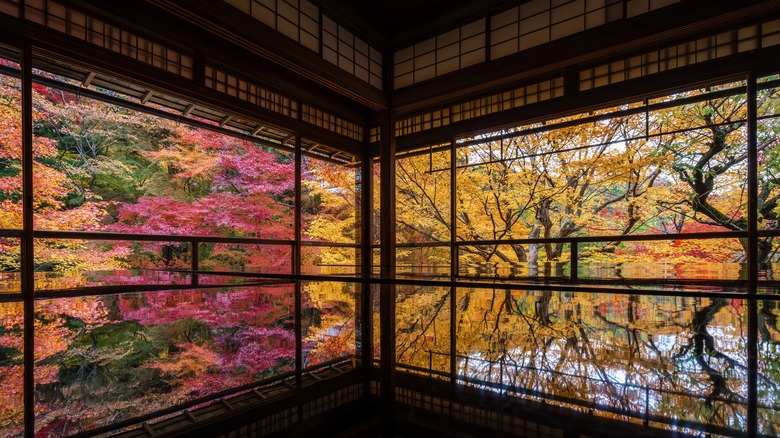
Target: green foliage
[[114, 355], [187, 330], [10, 261], [10, 356]]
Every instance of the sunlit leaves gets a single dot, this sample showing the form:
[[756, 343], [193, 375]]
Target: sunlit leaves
[[673, 169]]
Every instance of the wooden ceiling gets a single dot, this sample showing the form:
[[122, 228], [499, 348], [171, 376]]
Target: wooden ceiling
[[400, 22], [396, 16]]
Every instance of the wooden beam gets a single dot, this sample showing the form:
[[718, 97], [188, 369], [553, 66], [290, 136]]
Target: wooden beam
[[88, 79], [677, 23], [145, 98], [188, 110], [53, 44], [387, 255]]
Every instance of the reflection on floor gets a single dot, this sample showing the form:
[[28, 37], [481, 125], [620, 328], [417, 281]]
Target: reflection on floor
[[679, 363], [503, 358]]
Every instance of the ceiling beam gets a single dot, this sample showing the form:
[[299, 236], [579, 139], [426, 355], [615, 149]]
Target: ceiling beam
[[145, 98], [234, 27], [188, 110], [696, 75], [451, 19], [671, 25], [88, 79], [188, 33]]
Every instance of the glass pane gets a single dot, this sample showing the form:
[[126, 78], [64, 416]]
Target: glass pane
[[628, 356], [425, 261], [769, 368], [242, 257], [103, 167], [101, 360], [329, 196], [423, 196], [328, 318], [423, 329], [11, 150], [11, 370], [768, 173], [72, 263], [10, 266], [678, 166], [502, 261], [329, 260], [704, 143], [684, 259]]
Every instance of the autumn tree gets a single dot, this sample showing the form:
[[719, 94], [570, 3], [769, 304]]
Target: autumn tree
[[709, 155], [330, 196], [583, 178]]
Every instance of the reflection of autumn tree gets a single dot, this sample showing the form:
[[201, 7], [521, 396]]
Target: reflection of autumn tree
[[136, 353], [717, 361], [768, 320], [423, 326], [606, 349], [540, 342], [769, 364], [11, 369], [328, 318]]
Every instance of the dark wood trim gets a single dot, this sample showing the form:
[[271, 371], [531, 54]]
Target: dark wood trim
[[27, 243], [752, 177], [419, 421], [158, 23], [732, 68], [387, 197], [55, 45], [682, 22], [366, 266], [752, 252], [237, 28], [387, 251], [296, 268]]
